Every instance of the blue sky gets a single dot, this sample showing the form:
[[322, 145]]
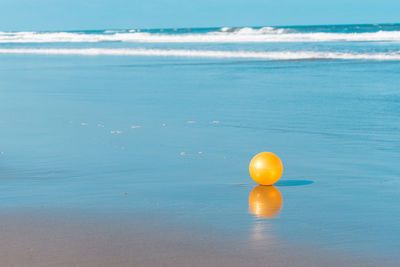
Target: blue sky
[[101, 14]]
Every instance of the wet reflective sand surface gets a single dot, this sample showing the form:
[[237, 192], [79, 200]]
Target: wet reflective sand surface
[[126, 160]]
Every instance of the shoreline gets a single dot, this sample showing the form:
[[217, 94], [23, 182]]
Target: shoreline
[[65, 238]]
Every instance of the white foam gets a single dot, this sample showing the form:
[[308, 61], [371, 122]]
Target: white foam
[[225, 29], [273, 55], [224, 35], [250, 31]]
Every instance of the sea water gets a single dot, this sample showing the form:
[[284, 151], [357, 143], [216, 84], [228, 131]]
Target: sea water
[[165, 122]]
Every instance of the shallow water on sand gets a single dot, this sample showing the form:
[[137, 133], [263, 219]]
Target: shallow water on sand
[[173, 138]]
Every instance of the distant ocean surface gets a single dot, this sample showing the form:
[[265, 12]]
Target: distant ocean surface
[[164, 122], [363, 42]]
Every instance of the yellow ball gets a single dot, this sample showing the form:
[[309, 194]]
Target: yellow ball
[[266, 168], [265, 201]]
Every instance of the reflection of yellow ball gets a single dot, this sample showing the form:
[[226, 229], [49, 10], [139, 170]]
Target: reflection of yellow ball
[[265, 201], [266, 168]]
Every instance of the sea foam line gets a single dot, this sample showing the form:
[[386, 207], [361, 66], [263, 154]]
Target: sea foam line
[[243, 35], [272, 55]]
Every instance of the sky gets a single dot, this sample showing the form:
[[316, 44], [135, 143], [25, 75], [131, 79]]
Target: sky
[[19, 15]]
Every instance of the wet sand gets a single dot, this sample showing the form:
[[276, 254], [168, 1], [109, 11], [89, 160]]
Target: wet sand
[[144, 161], [54, 238]]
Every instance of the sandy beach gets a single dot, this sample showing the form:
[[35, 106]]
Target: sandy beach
[[132, 148], [52, 238]]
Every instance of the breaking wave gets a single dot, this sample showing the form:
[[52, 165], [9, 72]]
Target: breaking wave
[[223, 35], [272, 55], [252, 31]]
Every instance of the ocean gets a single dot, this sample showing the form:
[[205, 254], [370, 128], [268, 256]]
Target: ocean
[[164, 122]]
